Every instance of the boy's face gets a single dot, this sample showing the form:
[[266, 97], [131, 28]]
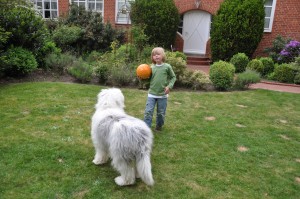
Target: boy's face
[[157, 58]]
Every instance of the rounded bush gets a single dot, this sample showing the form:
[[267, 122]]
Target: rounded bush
[[268, 65], [221, 74], [284, 73], [19, 62], [240, 61], [256, 65]]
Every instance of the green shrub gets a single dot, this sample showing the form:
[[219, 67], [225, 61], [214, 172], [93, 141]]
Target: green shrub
[[146, 54], [94, 56], [243, 80], [256, 65], [27, 29], [240, 61], [122, 75], [140, 39], [297, 78], [82, 71], [177, 63], [59, 62], [221, 74], [67, 36], [296, 68], [127, 52], [176, 54], [155, 15], [284, 73], [268, 65], [18, 62], [196, 80], [97, 35], [101, 70], [237, 27]]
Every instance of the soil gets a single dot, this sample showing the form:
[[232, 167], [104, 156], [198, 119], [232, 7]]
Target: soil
[[42, 75]]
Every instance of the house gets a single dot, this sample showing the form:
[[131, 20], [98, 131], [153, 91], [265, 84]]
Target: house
[[282, 18]]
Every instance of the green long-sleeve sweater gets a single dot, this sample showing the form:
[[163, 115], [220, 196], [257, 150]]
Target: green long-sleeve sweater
[[162, 76]]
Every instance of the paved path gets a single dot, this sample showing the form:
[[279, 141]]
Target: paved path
[[291, 88]]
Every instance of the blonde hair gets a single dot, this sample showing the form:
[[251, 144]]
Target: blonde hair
[[158, 51]]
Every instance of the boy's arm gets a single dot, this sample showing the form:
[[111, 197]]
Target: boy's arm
[[172, 77]]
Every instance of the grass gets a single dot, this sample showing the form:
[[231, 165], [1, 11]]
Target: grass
[[214, 144]]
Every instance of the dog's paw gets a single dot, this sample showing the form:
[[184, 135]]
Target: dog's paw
[[121, 182], [99, 161]]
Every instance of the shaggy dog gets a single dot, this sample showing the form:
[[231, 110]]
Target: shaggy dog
[[124, 139]]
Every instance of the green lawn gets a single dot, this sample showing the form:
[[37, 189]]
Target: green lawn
[[214, 144]]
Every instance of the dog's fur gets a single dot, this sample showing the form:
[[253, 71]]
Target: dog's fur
[[124, 139]]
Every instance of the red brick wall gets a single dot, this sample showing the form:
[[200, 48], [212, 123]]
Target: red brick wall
[[210, 6], [109, 11], [63, 7], [286, 23]]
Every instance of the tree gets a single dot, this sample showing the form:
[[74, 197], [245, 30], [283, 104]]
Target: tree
[[160, 19], [237, 28]]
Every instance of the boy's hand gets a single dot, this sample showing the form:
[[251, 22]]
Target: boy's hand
[[167, 90]]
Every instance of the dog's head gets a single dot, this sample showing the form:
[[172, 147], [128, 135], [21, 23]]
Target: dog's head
[[110, 98]]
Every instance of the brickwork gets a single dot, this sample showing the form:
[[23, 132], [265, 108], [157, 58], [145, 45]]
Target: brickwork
[[210, 6], [63, 7], [109, 11]]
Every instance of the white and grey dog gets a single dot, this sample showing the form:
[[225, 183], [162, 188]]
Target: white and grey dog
[[123, 138]]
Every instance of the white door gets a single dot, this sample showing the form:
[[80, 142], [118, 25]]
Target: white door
[[195, 33]]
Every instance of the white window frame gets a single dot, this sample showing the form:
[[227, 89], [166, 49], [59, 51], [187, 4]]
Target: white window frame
[[87, 2], [271, 17], [121, 18], [43, 10]]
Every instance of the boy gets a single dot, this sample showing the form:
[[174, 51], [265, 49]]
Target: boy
[[161, 81]]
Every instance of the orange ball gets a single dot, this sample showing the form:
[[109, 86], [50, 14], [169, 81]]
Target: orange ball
[[143, 71]]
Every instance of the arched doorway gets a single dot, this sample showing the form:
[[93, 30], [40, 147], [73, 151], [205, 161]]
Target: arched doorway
[[196, 31]]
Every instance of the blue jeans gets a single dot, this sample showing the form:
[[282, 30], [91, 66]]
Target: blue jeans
[[160, 111]]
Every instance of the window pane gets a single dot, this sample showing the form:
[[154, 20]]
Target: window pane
[[54, 5], [82, 4], [99, 6], [46, 5], [40, 5], [268, 11], [92, 6], [54, 14], [47, 14], [268, 2], [267, 23]]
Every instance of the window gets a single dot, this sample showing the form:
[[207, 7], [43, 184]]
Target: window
[[93, 5], [269, 11], [47, 8], [123, 11]]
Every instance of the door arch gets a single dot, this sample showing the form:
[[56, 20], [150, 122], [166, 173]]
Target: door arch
[[196, 31]]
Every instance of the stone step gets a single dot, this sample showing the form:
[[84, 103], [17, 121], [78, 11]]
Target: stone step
[[198, 60]]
